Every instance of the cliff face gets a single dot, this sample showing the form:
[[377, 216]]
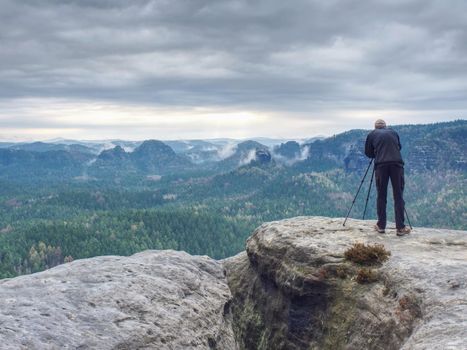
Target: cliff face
[[291, 289]]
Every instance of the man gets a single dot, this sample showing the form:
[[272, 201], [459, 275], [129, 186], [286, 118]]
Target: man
[[384, 146]]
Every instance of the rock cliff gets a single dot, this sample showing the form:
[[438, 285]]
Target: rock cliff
[[151, 300], [293, 288]]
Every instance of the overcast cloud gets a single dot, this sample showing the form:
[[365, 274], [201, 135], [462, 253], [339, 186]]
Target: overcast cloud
[[194, 68]]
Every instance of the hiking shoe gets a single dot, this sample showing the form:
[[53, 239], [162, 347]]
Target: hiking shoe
[[403, 231], [379, 229]]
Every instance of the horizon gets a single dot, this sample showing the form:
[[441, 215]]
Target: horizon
[[204, 70], [298, 139]]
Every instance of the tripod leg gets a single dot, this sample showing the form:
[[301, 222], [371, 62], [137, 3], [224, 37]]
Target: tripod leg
[[358, 191], [369, 191], [407, 216]]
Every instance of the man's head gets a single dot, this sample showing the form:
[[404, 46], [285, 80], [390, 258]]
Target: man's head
[[380, 124]]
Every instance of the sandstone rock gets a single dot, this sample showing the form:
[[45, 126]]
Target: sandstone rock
[[293, 288], [151, 300]]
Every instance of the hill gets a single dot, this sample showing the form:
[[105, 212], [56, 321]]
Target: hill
[[151, 157]]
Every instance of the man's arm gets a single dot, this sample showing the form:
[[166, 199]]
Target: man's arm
[[369, 149], [399, 141]]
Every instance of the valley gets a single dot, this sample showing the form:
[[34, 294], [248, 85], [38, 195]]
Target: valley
[[67, 200]]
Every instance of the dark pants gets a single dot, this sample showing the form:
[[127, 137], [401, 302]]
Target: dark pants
[[382, 175]]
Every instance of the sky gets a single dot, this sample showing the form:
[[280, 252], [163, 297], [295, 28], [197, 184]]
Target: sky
[[180, 69]]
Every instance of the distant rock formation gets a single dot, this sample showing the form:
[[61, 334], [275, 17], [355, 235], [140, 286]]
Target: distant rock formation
[[152, 156], [116, 154], [292, 289], [156, 156], [245, 153], [356, 159], [262, 156], [289, 149]]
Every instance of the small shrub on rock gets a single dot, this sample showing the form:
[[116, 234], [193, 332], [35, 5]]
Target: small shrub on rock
[[366, 275], [363, 254]]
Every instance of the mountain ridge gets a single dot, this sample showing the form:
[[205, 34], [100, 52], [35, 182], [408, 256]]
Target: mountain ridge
[[425, 147]]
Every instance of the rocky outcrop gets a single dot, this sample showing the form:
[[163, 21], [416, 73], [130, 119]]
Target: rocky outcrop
[[114, 155], [154, 156], [294, 289], [356, 159], [151, 300], [262, 156], [288, 150]]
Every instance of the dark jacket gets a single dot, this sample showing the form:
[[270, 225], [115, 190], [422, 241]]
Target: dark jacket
[[384, 145]]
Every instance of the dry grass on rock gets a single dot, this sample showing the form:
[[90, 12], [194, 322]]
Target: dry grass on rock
[[367, 254]]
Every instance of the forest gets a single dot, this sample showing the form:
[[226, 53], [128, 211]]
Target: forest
[[49, 215]]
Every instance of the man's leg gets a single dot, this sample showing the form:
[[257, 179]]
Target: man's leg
[[381, 180], [397, 182]]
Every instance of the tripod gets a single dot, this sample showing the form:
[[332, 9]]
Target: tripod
[[368, 196], [358, 191]]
